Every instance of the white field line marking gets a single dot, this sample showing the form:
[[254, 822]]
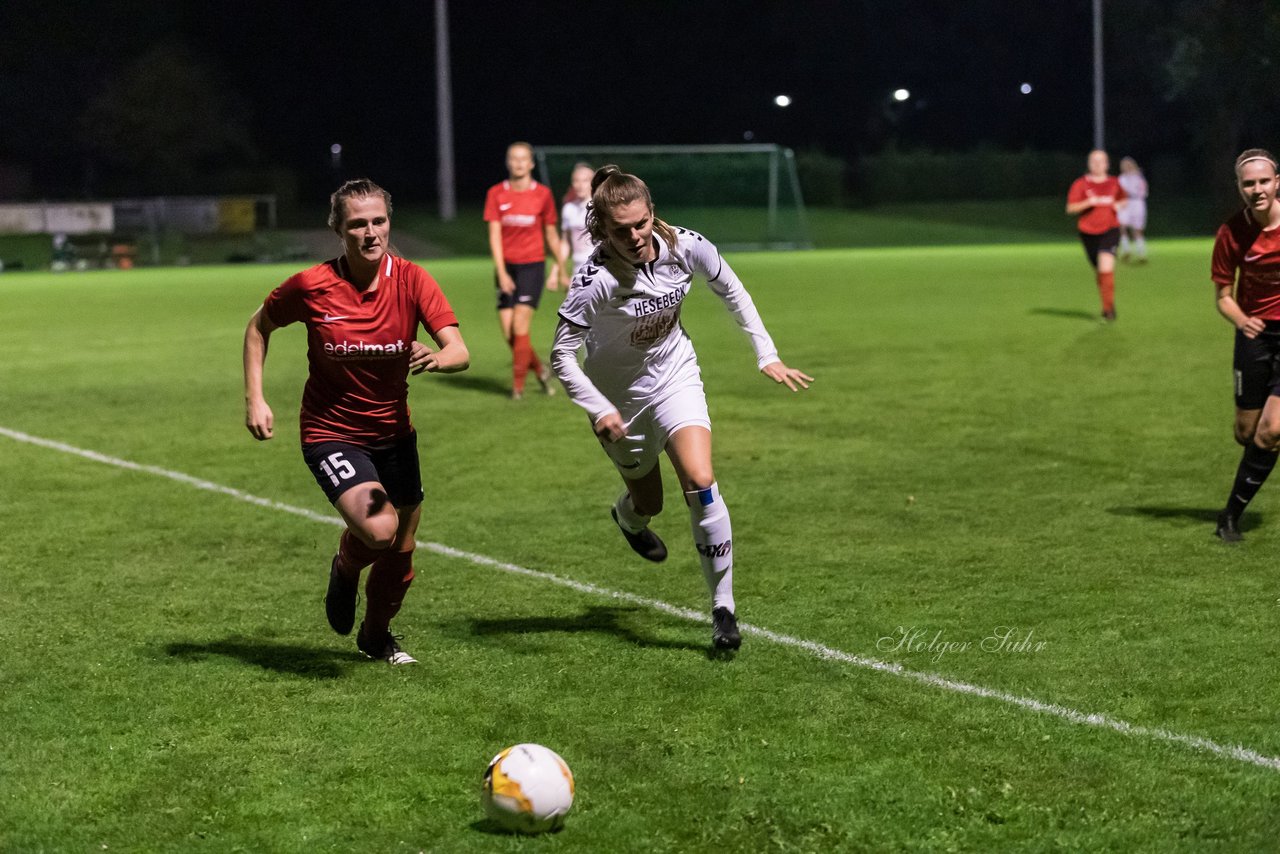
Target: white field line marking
[[933, 680]]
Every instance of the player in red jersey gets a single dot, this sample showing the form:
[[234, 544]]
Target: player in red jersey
[[522, 214], [1246, 273], [361, 311], [1094, 197]]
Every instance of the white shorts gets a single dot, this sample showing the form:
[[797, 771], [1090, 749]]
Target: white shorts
[[636, 453], [1134, 214]]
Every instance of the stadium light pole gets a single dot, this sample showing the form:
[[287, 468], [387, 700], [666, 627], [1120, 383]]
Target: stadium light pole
[[444, 116], [1099, 129]]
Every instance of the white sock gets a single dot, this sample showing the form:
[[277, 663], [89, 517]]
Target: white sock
[[1124, 244], [713, 538], [630, 520], [1142, 247]]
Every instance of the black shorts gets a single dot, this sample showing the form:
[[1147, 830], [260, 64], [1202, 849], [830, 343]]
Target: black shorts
[[1257, 367], [1096, 243], [338, 466], [529, 279]]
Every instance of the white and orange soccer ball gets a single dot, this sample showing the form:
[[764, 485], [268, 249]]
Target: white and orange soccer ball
[[528, 788]]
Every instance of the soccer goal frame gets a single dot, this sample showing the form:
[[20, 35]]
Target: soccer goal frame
[[784, 225]]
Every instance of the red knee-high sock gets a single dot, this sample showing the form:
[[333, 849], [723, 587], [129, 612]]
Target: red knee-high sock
[[534, 364], [1107, 290], [354, 555], [389, 580], [521, 351]]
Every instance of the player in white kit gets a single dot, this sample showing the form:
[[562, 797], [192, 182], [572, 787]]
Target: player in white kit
[[1133, 216], [575, 241], [640, 382]]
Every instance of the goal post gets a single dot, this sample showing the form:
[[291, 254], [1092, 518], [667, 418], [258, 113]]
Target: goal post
[[743, 197]]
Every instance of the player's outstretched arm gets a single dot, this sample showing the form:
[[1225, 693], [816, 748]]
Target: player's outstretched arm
[[258, 418], [451, 358], [793, 378], [564, 362]]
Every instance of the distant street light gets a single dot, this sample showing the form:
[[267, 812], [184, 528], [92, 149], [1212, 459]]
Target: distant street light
[[1025, 88], [782, 100], [335, 155], [901, 94]]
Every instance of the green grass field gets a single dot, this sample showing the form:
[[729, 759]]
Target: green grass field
[[978, 456]]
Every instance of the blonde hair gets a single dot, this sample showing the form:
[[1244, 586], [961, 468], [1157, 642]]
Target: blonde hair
[[358, 187], [1250, 154], [612, 188]]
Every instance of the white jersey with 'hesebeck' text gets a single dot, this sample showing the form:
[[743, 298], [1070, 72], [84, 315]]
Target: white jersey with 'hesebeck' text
[[628, 317]]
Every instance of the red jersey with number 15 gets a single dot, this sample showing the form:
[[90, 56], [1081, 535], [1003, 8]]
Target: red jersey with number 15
[[524, 216], [358, 346], [1098, 219], [1242, 245]]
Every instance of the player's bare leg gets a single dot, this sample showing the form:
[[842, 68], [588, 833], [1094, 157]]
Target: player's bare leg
[[388, 582], [635, 508], [371, 529], [690, 451]]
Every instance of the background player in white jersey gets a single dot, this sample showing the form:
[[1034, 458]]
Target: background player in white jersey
[[1133, 216], [640, 382], [575, 241]]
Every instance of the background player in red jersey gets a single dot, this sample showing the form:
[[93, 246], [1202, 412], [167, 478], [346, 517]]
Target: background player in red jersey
[[1246, 273], [1094, 198], [361, 311], [521, 213]]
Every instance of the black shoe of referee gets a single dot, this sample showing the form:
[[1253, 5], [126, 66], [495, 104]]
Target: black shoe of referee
[[1228, 529], [646, 543]]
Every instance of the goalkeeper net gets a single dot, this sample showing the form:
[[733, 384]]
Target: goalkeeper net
[[741, 197]]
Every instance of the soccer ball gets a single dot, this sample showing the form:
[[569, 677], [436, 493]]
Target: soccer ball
[[528, 788]]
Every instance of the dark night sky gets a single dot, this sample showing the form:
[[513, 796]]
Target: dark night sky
[[362, 74]]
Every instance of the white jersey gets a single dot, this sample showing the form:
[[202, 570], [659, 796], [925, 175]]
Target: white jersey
[[1134, 214], [573, 224], [1135, 186], [628, 316]]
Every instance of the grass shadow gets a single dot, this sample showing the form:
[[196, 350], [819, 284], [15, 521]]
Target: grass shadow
[[1069, 313], [483, 384], [603, 619], [295, 660], [1188, 515], [492, 828]]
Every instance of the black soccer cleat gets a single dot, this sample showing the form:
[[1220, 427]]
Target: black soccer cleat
[[647, 544], [1228, 529], [340, 600], [724, 629], [386, 648], [1109, 316]]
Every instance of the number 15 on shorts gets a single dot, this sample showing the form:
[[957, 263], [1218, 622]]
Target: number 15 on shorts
[[337, 468]]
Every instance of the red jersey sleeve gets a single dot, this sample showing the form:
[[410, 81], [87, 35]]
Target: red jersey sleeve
[[1121, 195], [1226, 258], [433, 308], [285, 304], [1077, 192], [491, 205]]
